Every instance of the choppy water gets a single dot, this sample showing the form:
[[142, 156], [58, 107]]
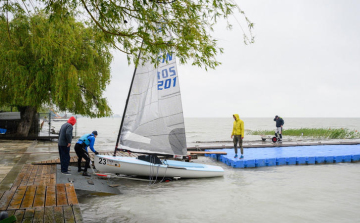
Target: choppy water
[[316, 193]]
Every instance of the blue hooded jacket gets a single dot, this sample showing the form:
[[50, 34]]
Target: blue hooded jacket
[[89, 140]]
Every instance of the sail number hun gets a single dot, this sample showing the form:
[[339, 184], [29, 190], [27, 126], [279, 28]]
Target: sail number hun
[[166, 78]]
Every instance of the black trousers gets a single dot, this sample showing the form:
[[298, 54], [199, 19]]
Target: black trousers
[[82, 153], [64, 153]]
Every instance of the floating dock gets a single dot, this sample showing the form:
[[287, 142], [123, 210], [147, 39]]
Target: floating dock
[[291, 155]]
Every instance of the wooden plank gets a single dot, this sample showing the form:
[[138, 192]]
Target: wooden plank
[[19, 214], [60, 195], [29, 197], [53, 179], [19, 178], [6, 198], [1, 194], [50, 196], [48, 175], [43, 176], [39, 215], [29, 215], [26, 168], [38, 175], [18, 198], [11, 212], [77, 214], [68, 214], [71, 194], [33, 176], [49, 214], [39, 200], [27, 176], [59, 214]]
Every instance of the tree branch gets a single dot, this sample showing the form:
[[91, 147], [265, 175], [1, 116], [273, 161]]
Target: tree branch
[[102, 28]]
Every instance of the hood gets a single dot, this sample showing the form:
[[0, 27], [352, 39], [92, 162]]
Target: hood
[[236, 117], [72, 120]]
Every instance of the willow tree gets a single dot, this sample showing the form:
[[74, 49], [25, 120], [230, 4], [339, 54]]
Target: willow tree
[[54, 60], [59, 62]]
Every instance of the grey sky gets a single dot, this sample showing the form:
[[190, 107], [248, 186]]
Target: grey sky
[[305, 63]]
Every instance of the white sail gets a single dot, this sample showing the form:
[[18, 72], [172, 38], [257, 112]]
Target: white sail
[[154, 118]]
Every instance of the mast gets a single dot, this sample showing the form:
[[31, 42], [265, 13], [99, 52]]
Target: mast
[[127, 101]]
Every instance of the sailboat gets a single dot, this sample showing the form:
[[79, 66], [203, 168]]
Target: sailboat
[[153, 124]]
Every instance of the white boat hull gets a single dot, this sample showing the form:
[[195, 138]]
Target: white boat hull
[[169, 168]]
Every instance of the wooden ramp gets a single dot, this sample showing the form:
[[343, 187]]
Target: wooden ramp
[[35, 197], [89, 184]]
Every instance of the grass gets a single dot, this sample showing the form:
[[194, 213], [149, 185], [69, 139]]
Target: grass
[[314, 132]]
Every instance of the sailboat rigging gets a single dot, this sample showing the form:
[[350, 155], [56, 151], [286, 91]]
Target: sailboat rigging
[[126, 104], [153, 123]]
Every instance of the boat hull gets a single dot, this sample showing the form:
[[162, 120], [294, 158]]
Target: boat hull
[[134, 166]]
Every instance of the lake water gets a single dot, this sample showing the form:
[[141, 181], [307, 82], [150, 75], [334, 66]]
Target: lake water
[[209, 129], [316, 193]]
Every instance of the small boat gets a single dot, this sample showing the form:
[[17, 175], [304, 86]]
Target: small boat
[[153, 124], [168, 168]]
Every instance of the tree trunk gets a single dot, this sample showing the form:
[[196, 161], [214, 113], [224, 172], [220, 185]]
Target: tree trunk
[[27, 114]]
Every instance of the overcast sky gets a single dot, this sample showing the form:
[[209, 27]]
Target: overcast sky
[[305, 63]]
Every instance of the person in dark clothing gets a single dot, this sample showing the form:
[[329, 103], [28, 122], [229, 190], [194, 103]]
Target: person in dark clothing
[[279, 126], [81, 150], [65, 137]]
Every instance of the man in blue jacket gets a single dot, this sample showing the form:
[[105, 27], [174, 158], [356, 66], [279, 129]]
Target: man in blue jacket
[[81, 150]]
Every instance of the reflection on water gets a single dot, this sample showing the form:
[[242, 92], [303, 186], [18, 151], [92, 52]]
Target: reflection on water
[[318, 193]]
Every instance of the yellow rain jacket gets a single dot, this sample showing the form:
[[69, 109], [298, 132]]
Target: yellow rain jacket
[[238, 128]]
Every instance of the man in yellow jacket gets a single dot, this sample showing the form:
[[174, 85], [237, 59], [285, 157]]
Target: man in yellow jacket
[[238, 134]]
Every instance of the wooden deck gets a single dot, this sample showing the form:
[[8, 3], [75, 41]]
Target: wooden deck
[[35, 197]]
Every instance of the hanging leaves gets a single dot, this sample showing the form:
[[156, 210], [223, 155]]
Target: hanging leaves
[[128, 23], [54, 61]]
